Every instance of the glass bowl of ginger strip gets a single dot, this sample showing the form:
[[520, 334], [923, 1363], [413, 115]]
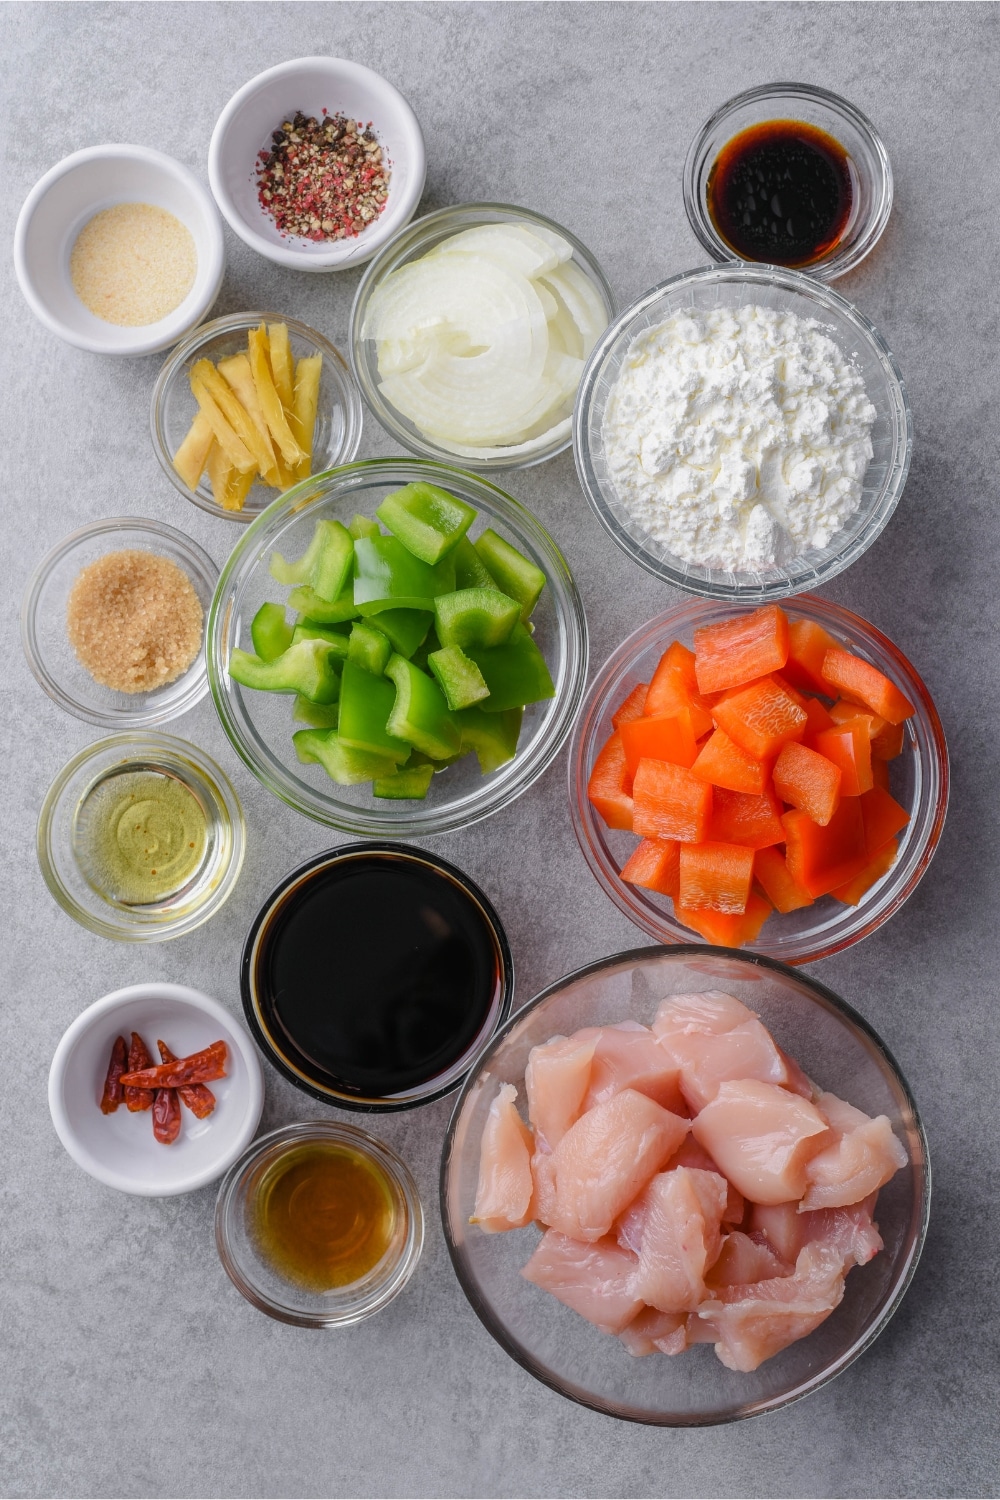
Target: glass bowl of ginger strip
[[248, 406]]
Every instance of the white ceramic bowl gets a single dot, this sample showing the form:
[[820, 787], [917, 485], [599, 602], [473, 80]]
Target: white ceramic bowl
[[312, 84], [66, 198], [119, 1149]]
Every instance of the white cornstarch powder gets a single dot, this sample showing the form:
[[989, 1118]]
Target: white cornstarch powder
[[738, 437]]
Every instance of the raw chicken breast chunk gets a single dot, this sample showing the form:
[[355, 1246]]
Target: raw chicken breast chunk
[[762, 1137], [680, 1237], [594, 1280], [505, 1194], [751, 1323], [630, 1057], [556, 1079], [654, 1332], [863, 1156]]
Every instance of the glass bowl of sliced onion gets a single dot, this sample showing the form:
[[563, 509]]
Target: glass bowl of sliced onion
[[470, 333]]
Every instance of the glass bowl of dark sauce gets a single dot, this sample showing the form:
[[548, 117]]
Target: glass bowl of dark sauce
[[374, 974], [789, 175]]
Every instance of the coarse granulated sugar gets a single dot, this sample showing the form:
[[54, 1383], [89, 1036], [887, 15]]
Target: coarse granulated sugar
[[738, 437]]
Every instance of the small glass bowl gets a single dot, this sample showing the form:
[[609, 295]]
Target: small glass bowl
[[43, 623], [260, 725], [919, 782], [411, 244], [339, 413], [264, 1021], [834, 1044], [210, 886], [252, 1274], [868, 161], [735, 285]]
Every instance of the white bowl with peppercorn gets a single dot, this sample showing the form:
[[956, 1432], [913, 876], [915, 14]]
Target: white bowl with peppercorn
[[317, 163]]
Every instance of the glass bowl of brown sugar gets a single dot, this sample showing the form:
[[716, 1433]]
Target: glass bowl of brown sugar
[[113, 622]]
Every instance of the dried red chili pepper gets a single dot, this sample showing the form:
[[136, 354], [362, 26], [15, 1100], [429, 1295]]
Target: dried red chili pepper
[[201, 1067], [137, 1097], [113, 1092], [166, 1116], [197, 1096]]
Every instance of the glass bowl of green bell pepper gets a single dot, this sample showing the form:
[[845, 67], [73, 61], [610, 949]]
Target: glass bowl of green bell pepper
[[402, 681]]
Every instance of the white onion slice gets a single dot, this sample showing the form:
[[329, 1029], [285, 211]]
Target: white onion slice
[[583, 303], [512, 245]]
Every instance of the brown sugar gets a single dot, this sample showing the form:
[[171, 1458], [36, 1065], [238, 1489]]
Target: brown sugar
[[134, 621]]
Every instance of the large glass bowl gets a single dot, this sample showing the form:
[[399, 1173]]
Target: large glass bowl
[[736, 285], [410, 244], [833, 1044], [260, 725], [918, 781]]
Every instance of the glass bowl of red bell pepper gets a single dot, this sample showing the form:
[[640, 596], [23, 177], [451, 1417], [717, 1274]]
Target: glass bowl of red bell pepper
[[498, 754], [897, 807]]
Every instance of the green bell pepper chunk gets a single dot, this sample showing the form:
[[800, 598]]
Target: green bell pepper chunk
[[299, 571], [427, 520], [420, 713], [342, 763], [470, 570], [325, 565], [475, 617], [270, 632], [325, 611], [309, 630], [368, 647], [458, 677], [492, 736], [411, 782], [387, 576], [308, 668], [406, 628], [366, 703], [316, 715], [515, 673], [515, 576], [361, 526]]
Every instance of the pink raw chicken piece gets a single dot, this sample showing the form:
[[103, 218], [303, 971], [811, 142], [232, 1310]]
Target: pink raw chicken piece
[[629, 1057], [654, 1331], [556, 1080], [751, 1323], [706, 1061], [693, 1155], [543, 1173], [744, 1259], [594, 1280], [680, 1237], [710, 1014], [850, 1231], [762, 1137], [606, 1159], [504, 1197], [862, 1158]]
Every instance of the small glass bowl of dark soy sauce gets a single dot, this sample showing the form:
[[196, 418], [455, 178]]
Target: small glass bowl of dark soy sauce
[[374, 974], [789, 175]]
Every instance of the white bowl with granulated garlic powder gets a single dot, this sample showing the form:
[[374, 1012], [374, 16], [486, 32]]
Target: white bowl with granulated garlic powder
[[742, 432], [119, 250]]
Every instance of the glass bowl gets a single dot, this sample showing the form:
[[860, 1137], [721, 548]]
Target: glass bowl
[[339, 414], [247, 1266], [43, 623], [833, 1044], [59, 838], [919, 782], [868, 162], [411, 244], [260, 725], [440, 881], [785, 291]]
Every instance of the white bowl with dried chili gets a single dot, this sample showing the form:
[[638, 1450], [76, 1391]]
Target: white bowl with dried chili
[[316, 163]]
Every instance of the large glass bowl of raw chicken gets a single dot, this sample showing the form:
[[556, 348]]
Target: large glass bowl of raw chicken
[[684, 1186]]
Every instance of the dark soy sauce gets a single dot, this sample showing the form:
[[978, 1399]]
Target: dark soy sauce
[[781, 192], [376, 974]]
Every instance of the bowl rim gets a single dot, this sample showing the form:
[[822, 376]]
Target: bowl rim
[[343, 253], [477, 806], [922, 1173], [197, 561], [157, 744], [181, 994], [843, 259], [418, 230], [347, 394], [328, 857], [833, 613], [165, 331], [393, 1165], [795, 579]]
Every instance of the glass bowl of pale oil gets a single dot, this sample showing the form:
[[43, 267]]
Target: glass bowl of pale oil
[[319, 1225], [141, 837]]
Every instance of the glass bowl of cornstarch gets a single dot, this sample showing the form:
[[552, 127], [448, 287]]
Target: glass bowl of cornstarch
[[742, 432]]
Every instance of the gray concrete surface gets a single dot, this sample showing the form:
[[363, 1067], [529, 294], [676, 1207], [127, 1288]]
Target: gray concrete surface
[[585, 112]]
